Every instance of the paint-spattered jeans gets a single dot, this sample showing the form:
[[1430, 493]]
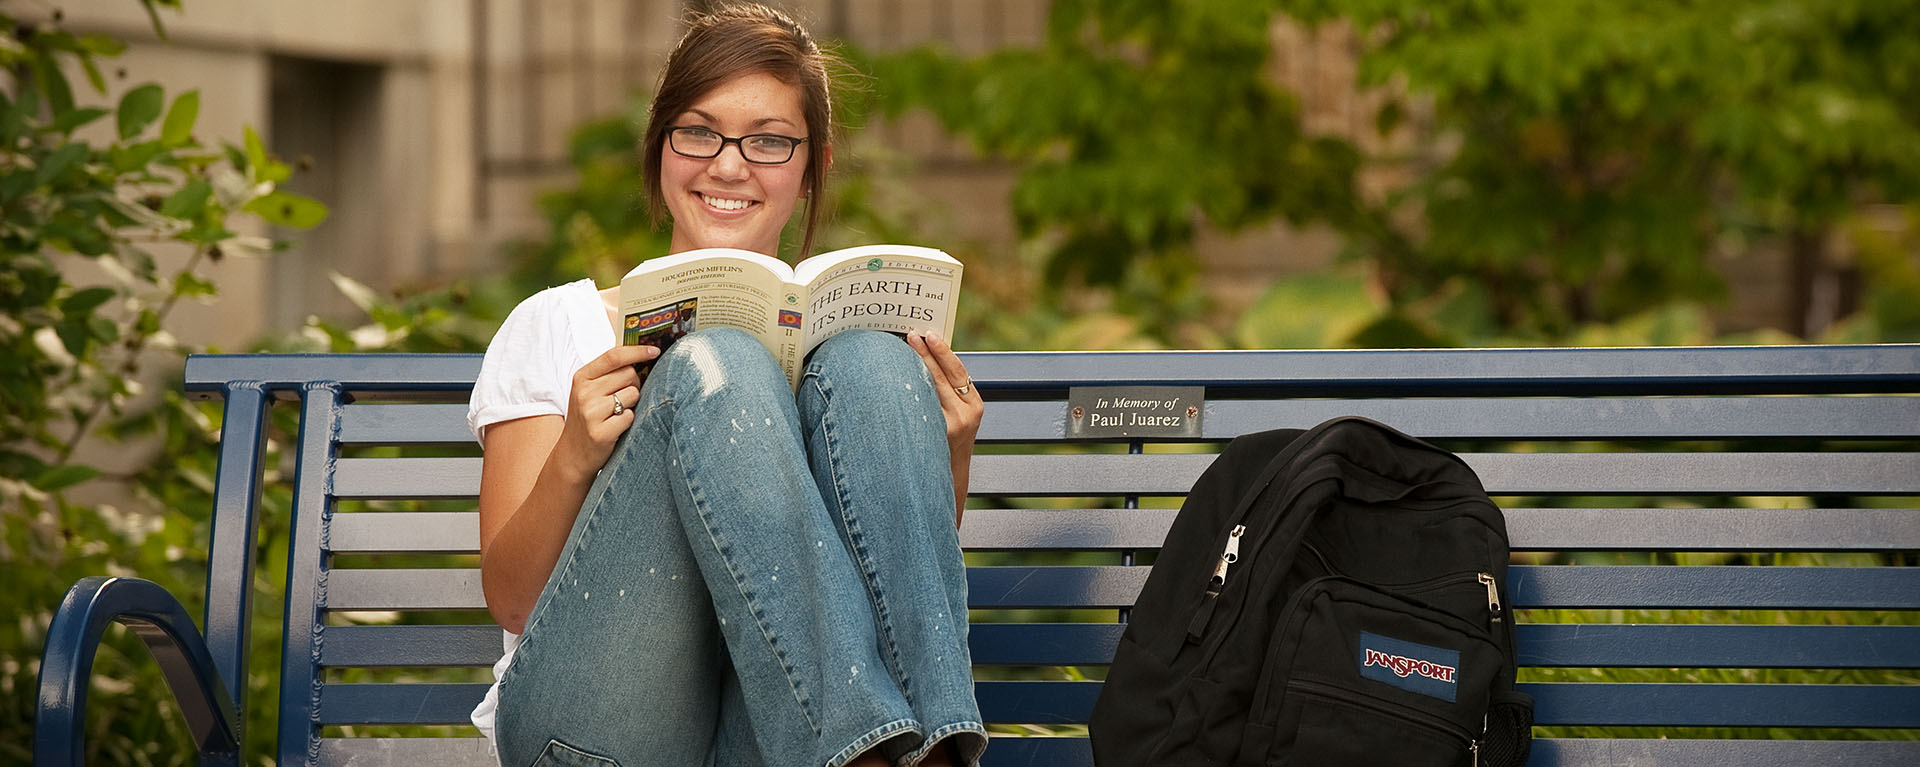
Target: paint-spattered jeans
[[757, 578]]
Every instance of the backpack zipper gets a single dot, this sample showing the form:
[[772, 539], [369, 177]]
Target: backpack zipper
[[1227, 558], [1485, 578], [1493, 597], [1197, 627]]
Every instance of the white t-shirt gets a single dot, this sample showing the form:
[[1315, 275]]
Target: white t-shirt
[[528, 371]]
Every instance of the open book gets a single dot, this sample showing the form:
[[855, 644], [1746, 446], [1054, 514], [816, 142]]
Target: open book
[[894, 288]]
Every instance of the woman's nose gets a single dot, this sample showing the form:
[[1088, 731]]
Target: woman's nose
[[729, 164]]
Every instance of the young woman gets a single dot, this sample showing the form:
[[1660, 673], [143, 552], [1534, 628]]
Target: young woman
[[703, 567]]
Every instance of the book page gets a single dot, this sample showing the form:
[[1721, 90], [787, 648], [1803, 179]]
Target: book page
[[891, 288], [666, 298]]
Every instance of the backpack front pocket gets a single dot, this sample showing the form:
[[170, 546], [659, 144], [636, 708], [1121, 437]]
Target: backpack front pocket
[[1359, 675]]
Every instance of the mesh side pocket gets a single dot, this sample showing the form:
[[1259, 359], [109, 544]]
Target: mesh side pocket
[[1509, 730]]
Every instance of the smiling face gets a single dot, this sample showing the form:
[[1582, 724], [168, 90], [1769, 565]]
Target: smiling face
[[725, 201]]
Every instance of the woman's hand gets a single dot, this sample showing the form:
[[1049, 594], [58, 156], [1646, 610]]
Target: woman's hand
[[600, 409], [959, 402]]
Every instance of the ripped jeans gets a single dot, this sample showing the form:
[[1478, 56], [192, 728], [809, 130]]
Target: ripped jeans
[[757, 578]]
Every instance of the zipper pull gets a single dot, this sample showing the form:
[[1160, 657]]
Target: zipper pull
[[1474, 744], [1493, 597], [1228, 557]]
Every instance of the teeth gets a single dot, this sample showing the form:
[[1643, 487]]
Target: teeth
[[726, 204]]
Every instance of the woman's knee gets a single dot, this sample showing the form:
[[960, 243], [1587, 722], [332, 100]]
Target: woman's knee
[[869, 353], [716, 357]]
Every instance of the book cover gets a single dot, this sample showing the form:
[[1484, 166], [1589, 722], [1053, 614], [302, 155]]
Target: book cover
[[891, 288]]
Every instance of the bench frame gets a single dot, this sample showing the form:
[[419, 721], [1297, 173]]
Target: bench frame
[[1704, 390]]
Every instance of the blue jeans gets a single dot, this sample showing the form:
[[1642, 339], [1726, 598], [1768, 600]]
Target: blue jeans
[[757, 578]]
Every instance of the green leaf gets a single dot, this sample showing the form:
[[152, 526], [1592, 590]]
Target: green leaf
[[68, 122], [74, 336], [101, 45], [62, 477], [273, 172], [178, 128], [188, 285], [94, 78], [102, 329], [189, 200], [47, 74], [57, 163], [129, 158], [256, 152], [12, 120], [289, 210], [15, 184], [84, 301], [139, 108]]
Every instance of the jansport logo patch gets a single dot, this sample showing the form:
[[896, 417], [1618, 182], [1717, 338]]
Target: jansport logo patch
[[1409, 666], [1402, 665]]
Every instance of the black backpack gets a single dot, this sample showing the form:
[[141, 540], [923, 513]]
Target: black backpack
[[1328, 597]]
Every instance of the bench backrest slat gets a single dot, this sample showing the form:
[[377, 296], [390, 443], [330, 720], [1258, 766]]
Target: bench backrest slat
[[1532, 418], [1656, 587], [1528, 529], [1576, 645], [1172, 474]]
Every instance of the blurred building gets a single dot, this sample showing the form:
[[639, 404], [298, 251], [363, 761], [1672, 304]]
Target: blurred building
[[429, 126]]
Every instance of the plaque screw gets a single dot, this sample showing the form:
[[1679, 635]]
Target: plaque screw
[[1193, 411], [1078, 412]]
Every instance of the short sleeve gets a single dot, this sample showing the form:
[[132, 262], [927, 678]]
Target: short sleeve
[[527, 370]]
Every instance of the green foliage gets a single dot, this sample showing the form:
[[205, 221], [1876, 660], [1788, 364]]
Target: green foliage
[[143, 204], [1151, 119], [1573, 164], [1602, 150]]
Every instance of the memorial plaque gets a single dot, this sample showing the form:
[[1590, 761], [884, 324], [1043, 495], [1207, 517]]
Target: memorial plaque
[[1105, 412]]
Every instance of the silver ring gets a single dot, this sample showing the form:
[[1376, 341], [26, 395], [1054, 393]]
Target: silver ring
[[618, 408], [962, 390]]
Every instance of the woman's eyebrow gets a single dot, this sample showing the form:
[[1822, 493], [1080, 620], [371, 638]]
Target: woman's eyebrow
[[755, 125]]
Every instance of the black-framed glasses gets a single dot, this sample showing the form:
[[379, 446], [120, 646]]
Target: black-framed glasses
[[757, 148]]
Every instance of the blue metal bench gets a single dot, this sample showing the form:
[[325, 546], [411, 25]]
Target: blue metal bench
[[1607, 462]]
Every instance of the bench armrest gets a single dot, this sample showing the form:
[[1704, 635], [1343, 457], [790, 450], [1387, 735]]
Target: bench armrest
[[150, 611]]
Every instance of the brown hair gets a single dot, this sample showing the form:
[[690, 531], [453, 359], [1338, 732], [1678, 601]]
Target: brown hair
[[728, 42]]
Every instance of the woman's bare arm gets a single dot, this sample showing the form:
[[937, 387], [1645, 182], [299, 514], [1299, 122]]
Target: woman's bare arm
[[536, 472]]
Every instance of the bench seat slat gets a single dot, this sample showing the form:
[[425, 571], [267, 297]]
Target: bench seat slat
[[1075, 752], [1558, 703], [1530, 529], [1092, 644], [1174, 474], [1532, 418], [1105, 587]]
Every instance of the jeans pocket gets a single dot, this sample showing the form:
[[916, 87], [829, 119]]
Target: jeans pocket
[[559, 754]]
